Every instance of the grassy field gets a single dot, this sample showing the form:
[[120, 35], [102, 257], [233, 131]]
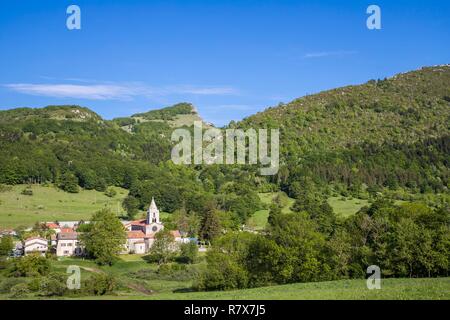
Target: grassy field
[[342, 207], [258, 220], [398, 289], [49, 204], [346, 207]]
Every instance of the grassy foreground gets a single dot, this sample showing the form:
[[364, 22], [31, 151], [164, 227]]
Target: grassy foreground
[[177, 289], [391, 289], [160, 287]]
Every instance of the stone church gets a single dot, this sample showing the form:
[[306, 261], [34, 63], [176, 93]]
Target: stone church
[[141, 233]]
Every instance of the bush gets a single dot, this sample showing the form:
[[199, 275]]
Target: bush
[[168, 272], [53, 285], [7, 284], [19, 290], [27, 192], [110, 193], [100, 284], [30, 265], [35, 284], [188, 253]]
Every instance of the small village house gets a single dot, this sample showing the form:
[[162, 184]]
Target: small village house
[[35, 244], [68, 244]]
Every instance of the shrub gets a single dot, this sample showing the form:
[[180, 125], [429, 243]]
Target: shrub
[[19, 290], [169, 272], [35, 284], [100, 284], [188, 253], [30, 265], [110, 193], [53, 285], [8, 283], [27, 192]]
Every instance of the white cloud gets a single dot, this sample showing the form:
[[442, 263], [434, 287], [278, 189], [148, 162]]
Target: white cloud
[[91, 92], [114, 91], [328, 54]]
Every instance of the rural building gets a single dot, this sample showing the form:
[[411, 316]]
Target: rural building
[[68, 244], [35, 244]]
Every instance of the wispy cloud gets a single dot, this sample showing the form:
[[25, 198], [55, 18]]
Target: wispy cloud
[[115, 91], [91, 92], [324, 54]]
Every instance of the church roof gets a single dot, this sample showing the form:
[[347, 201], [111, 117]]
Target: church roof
[[135, 235]]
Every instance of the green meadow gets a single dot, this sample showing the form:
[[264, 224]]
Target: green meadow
[[48, 203], [343, 207]]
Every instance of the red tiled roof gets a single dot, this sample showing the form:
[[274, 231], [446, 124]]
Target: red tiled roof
[[138, 222], [135, 235], [67, 230], [52, 225]]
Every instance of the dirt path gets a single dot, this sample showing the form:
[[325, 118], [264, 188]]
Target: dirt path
[[140, 288], [92, 270]]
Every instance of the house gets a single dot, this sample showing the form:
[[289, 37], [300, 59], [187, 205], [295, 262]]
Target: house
[[177, 236], [68, 244], [137, 242], [70, 224], [35, 244], [53, 226], [8, 232]]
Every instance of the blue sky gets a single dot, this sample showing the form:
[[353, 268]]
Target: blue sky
[[229, 58]]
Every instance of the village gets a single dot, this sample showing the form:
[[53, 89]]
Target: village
[[64, 240]]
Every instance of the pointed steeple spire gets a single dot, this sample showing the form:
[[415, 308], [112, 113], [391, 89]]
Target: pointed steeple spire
[[152, 213], [153, 205]]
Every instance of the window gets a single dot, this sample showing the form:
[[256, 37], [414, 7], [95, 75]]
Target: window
[[69, 244]]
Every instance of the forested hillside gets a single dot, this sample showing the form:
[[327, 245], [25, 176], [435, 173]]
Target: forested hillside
[[391, 133], [385, 133]]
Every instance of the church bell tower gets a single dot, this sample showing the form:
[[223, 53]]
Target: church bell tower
[[153, 213]]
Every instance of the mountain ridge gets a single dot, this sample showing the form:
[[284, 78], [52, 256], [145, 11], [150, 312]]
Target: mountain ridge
[[383, 132]]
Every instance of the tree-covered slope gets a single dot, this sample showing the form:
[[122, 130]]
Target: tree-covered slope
[[42, 144], [385, 132]]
